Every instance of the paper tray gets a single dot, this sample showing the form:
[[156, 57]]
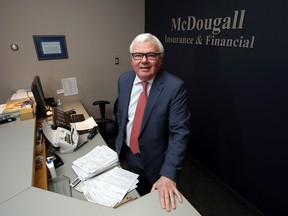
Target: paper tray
[[61, 185]]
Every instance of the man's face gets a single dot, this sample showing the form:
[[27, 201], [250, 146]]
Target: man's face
[[144, 68]]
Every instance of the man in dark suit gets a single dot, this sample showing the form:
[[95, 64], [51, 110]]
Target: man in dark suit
[[164, 131]]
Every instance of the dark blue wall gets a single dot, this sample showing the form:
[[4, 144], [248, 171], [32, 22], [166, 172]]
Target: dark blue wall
[[238, 96]]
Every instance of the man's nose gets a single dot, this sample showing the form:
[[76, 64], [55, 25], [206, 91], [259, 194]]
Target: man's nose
[[144, 59]]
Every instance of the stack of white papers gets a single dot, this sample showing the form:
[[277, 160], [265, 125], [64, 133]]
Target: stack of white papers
[[99, 160], [85, 125], [110, 188], [21, 94]]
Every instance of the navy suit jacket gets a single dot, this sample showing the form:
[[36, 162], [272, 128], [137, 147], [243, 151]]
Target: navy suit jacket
[[164, 133]]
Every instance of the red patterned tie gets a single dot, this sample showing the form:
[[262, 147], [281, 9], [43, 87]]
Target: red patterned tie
[[138, 119]]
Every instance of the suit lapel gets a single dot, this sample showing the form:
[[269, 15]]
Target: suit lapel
[[155, 92], [126, 88]]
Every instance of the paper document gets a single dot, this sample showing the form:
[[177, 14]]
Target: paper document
[[85, 125], [111, 187], [69, 86], [2, 107], [100, 159], [21, 94]]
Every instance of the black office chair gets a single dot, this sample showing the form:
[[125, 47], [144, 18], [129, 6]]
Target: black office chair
[[108, 128]]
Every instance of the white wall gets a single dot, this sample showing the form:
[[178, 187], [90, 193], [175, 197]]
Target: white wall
[[96, 31]]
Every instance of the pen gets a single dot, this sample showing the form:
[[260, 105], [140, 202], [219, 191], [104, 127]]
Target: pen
[[125, 200]]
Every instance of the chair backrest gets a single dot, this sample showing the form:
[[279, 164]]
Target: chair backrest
[[102, 107], [108, 127]]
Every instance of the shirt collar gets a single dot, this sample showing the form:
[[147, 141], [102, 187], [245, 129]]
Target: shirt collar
[[137, 80]]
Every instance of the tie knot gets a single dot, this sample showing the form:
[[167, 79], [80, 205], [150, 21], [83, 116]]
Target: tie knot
[[144, 85]]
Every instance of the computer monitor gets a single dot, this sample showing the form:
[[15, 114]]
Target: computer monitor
[[50, 100], [38, 81], [39, 99]]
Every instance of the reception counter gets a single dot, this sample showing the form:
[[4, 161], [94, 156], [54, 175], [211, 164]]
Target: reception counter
[[19, 196]]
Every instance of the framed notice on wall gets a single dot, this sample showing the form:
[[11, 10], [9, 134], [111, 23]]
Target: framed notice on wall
[[50, 47]]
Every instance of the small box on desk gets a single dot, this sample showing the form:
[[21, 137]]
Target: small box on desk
[[26, 114]]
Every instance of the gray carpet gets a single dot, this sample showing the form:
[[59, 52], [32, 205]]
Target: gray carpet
[[208, 195]]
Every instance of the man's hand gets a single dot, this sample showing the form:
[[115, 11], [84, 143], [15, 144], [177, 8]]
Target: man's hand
[[167, 189]]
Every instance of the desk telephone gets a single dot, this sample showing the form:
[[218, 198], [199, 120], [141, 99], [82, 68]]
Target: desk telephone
[[66, 140], [61, 119], [64, 135], [61, 134], [64, 119]]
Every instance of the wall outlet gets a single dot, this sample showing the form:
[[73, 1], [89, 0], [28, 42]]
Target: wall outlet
[[60, 91]]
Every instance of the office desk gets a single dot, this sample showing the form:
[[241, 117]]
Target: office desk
[[16, 157], [19, 197]]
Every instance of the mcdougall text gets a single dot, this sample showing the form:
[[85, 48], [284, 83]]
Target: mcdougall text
[[216, 25]]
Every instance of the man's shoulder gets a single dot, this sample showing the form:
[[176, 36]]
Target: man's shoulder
[[171, 78], [127, 75]]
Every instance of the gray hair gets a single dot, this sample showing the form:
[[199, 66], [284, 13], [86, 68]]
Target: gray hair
[[147, 37]]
